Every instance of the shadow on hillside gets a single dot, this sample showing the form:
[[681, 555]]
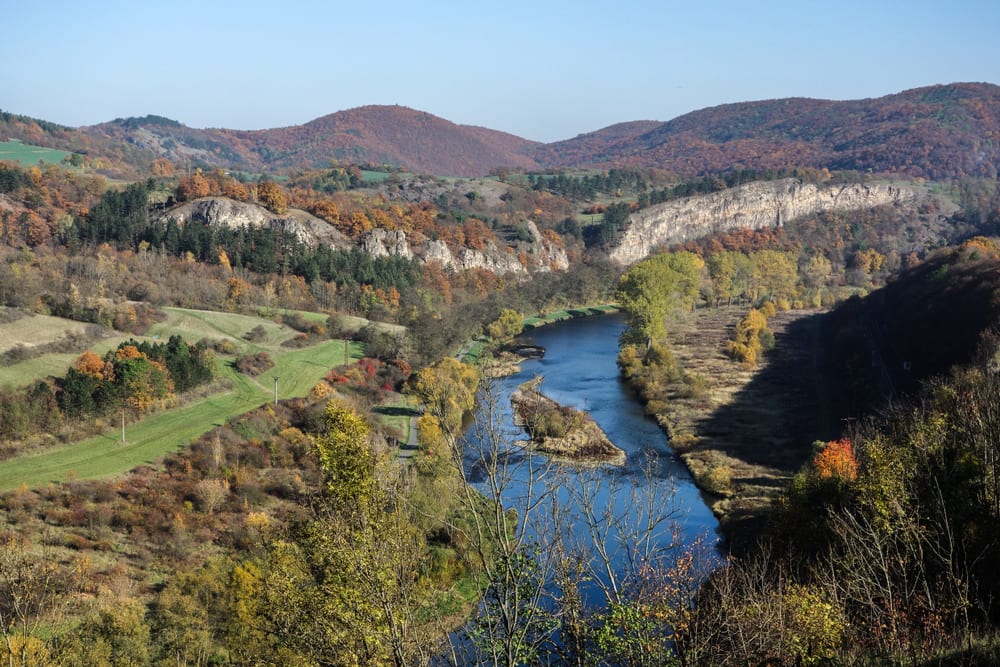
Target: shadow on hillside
[[771, 423]]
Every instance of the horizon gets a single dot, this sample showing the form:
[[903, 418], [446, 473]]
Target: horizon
[[543, 72], [584, 132]]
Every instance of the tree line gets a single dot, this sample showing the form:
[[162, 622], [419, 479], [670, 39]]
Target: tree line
[[135, 375]]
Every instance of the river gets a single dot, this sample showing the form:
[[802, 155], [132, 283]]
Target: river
[[579, 370]]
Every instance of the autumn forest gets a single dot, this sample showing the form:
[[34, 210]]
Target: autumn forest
[[240, 373]]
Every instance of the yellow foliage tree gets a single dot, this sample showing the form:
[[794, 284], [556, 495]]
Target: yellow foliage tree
[[272, 197]]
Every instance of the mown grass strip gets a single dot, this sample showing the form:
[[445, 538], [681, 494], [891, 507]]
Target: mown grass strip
[[29, 155], [159, 434]]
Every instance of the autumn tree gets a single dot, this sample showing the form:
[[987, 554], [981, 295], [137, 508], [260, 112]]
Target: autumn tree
[[447, 389], [506, 326], [33, 590], [655, 288], [163, 167], [138, 380], [272, 197], [192, 187], [347, 588]]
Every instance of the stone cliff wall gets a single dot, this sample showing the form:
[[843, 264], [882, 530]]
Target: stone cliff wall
[[541, 255], [752, 206], [307, 228]]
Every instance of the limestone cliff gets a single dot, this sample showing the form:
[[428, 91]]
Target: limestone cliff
[[752, 206], [537, 255], [309, 229]]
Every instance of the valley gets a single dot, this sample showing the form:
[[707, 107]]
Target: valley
[[809, 298]]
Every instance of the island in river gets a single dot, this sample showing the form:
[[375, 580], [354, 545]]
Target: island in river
[[560, 431]]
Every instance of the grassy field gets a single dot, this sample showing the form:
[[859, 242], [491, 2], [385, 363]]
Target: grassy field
[[36, 330], [159, 434], [192, 325], [298, 371], [28, 155]]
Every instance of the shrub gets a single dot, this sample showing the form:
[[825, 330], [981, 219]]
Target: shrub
[[256, 335], [254, 364]]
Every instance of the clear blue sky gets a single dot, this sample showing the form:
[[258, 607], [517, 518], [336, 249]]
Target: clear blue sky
[[541, 70]]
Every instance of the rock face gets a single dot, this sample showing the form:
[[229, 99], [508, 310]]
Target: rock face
[[752, 206], [540, 255], [309, 229], [383, 243], [535, 256]]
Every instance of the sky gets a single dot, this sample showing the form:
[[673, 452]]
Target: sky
[[542, 70]]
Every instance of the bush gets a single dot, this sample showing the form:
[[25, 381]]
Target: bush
[[254, 364], [256, 335]]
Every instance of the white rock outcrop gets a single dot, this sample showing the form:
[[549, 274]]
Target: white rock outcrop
[[751, 206], [384, 242], [225, 212], [541, 254]]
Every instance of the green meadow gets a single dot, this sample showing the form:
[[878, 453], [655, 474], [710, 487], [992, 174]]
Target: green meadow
[[28, 155], [148, 440]]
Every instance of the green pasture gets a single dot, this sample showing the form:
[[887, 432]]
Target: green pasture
[[36, 330], [28, 155], [297, 370], [192, 325], [374, 177], [159, 434], [53, 363]]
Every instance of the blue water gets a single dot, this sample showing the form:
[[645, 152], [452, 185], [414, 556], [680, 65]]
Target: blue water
[[579, 370]]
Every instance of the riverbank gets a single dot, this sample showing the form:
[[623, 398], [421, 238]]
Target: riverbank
[[743, 433], [472, 351], [562, 432]]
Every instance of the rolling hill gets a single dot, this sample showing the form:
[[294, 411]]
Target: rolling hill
[[392, 135], [935, 132], [944, 131]]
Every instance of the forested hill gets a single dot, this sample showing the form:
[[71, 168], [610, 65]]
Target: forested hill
[[393, 135], [942, 313], [935, 132], [944, 131]]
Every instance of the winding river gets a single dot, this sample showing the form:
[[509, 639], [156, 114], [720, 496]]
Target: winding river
[[579, 370]]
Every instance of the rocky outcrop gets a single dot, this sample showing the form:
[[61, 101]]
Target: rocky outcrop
[[307, 228], [384, 242], [540, 254], [752, 206]]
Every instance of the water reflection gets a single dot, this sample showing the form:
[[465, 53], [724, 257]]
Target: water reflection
[[620, 521]]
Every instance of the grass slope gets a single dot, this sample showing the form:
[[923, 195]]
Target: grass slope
[[149, 440], [29, 155], [153, 437]]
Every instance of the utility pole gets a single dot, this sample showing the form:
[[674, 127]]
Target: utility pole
[[123, 424], [276, 389]]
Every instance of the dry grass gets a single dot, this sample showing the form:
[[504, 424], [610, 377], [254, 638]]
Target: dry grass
[[746, 431]]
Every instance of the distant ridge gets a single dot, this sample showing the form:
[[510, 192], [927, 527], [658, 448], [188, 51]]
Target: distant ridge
[[936, 132], [942, 131], [393, 135]]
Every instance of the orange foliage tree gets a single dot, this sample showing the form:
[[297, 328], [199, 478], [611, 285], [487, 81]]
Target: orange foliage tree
[[193, 187], [272, 197], [837, 461]]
